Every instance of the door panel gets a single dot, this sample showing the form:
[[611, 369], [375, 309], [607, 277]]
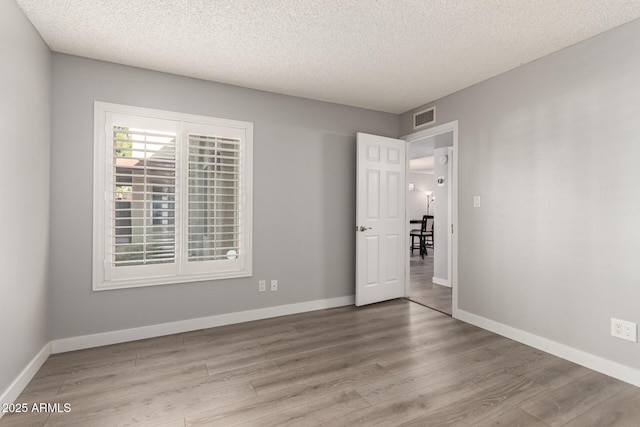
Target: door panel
[[373, 252], [373, 195], [380, 216]]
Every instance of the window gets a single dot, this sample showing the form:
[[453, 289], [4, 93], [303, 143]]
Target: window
[[172, 197]]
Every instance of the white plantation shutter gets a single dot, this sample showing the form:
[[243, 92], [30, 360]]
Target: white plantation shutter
[[177, 198], [214, 190], [144, 197]]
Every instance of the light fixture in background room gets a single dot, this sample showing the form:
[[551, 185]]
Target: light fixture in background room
[[430, 200], [411, 186]]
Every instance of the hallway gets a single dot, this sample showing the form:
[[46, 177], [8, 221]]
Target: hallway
[[423, 291]]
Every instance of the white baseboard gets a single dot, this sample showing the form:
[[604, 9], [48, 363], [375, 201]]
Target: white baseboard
[[16, 387], [441, 282], [608, 367], [114, 337]]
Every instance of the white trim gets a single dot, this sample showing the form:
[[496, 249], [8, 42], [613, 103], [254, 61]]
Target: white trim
[[18, 385], [168, 115], [450, 151], [454, 221], [407, 221], [453, 200], [441, 282], [436, 130], [124, 335], [106, 278], [608, 367], [114, 337], [170, 280]]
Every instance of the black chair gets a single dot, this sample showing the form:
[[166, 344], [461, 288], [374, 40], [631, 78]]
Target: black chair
[[428, 237], [424, 235]]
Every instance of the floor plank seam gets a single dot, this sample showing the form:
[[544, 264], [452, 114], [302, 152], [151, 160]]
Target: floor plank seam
[[60, 387], [402, 363], [537, 418]]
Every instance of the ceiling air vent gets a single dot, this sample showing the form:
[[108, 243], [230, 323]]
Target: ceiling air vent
[[424, 118]]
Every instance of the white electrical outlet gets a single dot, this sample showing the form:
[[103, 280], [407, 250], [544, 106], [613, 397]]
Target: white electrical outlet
[[623, 329], [274, 285], [262, 286]]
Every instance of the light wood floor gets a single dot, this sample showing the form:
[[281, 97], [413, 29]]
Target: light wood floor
[[394, 363], [423, 290]]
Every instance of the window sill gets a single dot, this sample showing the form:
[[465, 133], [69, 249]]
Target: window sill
[[169, 280]]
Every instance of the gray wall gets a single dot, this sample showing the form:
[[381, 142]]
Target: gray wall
[[553, 149], [304, 196], [417, 199], [24, 192], [441, 215]]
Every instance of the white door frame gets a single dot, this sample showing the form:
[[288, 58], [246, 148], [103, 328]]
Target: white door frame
[[453, 236]]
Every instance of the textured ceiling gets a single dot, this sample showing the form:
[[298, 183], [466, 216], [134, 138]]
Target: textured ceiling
[[387, 55]]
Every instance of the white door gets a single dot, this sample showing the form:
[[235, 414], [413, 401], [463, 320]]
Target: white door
[[380, 219]]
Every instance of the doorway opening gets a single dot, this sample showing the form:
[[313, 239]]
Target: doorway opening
[[430, 192]]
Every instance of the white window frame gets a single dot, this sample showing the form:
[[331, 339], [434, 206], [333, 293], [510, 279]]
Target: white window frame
[[181, 271]]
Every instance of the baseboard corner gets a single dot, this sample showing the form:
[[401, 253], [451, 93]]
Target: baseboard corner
[[10, 395], [608, 367], [441, 282]]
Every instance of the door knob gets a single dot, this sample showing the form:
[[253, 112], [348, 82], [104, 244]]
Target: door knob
[[363, 228]]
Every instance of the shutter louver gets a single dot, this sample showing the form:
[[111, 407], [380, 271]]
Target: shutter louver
[[144, 190], [213, 198]]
